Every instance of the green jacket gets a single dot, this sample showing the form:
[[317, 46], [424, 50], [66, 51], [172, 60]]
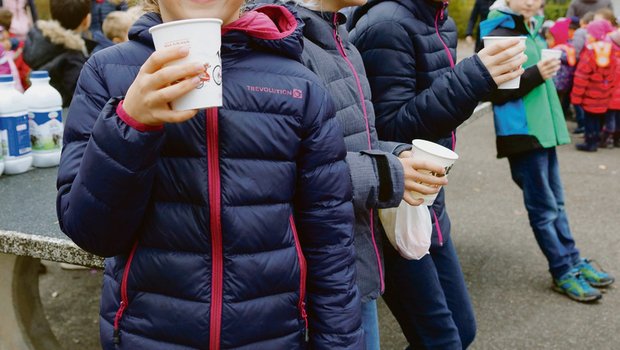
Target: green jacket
[[531, 116]]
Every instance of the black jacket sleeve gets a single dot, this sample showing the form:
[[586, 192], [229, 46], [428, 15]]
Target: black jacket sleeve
[[530, 79]]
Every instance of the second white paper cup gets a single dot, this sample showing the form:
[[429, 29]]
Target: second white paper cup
[[546, 54], [516, 82], [432, 152], [203, 37]]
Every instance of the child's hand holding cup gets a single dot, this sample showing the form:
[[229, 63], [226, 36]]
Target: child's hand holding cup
[[504, 59], [203, 38], [430, 152], [549, 62]]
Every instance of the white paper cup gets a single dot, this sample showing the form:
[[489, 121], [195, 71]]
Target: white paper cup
[[546, 54], [203, 37], [432, 152], [550, 53], [488, 40]]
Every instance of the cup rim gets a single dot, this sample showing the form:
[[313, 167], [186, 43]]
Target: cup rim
[[185, 21], [435, 149]]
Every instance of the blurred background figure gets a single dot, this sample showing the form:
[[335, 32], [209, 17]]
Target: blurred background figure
[[479, 13], [580, 7], [100, 10], [24, 15], [115, 30]]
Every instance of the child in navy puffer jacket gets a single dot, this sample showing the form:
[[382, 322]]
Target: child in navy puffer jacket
[[230, 227]]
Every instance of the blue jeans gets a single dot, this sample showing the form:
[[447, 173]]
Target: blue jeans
[[537, 173], [370, 324], [429, 298]]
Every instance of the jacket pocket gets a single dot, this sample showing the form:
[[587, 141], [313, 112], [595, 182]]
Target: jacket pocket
[[116, 338], [301, 305]]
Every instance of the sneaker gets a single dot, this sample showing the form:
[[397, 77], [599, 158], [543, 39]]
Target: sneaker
[[595, 277], [579, 130], [586, 147], [575, 287]]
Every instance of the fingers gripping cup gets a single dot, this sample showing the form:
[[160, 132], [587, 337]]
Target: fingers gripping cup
[[432, 152], [489, 40], [203, 37]]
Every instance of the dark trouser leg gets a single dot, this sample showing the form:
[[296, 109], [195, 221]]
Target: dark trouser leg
[[417, 294]]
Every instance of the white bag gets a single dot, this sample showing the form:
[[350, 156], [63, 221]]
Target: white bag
[[409, 229]]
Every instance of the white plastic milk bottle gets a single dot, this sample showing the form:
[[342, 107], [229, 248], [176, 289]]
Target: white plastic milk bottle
[[45, 118], [14, 133]]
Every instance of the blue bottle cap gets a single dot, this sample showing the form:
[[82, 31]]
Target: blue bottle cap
[[39, 74], [6, 78]]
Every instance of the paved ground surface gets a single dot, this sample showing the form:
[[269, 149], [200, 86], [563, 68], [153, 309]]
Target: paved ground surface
[[505, 271]]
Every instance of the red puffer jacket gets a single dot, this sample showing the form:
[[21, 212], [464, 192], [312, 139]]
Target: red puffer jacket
[[593, 84], [614, 102]]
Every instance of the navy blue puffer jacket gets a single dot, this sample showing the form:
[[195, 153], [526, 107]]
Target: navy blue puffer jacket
[[221, 231], [409, 51]]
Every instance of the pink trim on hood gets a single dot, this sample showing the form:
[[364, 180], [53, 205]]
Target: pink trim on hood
[[270, 22]]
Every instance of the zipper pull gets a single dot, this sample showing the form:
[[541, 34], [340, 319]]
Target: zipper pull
[[304, 315], [116, 337]]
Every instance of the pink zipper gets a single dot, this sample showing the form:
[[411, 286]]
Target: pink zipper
[[215, 226], [439, 15], [116, 338], [362, 100], [439, 235], [440, 11], [302, 277]]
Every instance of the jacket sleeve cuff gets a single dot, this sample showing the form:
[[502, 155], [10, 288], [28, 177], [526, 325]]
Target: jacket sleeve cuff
[[391, 179], [394, 148], [129, 120], [485, 73]]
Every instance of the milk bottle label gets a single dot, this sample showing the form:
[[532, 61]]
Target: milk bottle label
[[15, 136], [46, 130]]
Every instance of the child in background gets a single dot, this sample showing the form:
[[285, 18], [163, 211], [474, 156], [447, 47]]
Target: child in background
[[563, 79], [606, 14], [581, 34], [7, 65], [115, 30], [116, 26], [579, 40], [545, 33], [58, 46], [530, 125], [17, 47], [611, 129], [100, 10], [24, 15], [594, 81], [606, 139]]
